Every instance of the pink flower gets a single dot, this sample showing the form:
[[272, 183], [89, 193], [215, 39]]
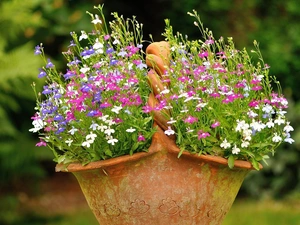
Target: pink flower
[[141, 138], [191, 119], [256, 88], [203, 54], [253, 103], [41, 143], [202, 134], [215, 124], [215, 95], [147, 109]]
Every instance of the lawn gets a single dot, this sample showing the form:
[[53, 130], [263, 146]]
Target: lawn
[[264, 213], [244, 212]]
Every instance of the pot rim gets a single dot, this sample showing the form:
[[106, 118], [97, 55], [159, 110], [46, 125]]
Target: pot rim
[[160, 144]]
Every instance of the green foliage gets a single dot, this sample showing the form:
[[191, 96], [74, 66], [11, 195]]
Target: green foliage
[[18, 69]]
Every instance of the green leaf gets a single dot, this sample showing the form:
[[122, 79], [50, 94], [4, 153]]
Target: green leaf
[[108, 152], [231, 161], [255, 164], [180, 153]]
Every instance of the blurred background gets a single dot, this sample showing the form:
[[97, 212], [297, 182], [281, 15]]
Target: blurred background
[[32, 193]]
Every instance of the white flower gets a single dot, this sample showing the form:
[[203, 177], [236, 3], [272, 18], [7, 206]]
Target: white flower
[[268, 109], [288, 128], [102, 127], [112, 141], [279, 120], [288, 139], [116, 42], [169, 131], [245, 144], [98, 47], [270, 123], [201, 105], [116, 109], [103, 118], [252, 114], [87, 143], [130, 130], [96, 20], [94, 126], [257, 125], [83, 35], [110, 122], [69, 142], [276, 138], [109, 131], [165, 91], [225, 144], [73, 130], [247, 134], [91, 137], [281, 112], [38, 125], [235, 150], [84, 69], [241, 125], [171, 121], [183, 95]]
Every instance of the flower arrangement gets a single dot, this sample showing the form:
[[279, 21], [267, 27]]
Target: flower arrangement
[[215, 100], [220, 102], [93, 111]]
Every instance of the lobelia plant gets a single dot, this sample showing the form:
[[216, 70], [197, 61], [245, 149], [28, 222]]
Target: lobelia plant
[[220, 102], [94, 111], [215, 100]]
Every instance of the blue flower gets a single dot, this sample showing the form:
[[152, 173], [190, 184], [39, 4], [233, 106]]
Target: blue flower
[[49, 64], [69, 74], [38, 49], [42, 73]]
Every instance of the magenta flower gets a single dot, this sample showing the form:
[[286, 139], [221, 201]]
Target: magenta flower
[[191, 119], [141, 138], [202, 134], [203, 54], [256, 88], [215, 124], [41, 143], [253, 103]]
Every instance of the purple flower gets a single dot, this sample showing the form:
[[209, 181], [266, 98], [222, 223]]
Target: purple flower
[[72, 44], [38, 50], [92, 113], [46, 90], [69, 74], [58, 117], [49, 64], [42, 73]]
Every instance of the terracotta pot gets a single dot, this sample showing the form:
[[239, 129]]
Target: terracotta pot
[[159, 188]]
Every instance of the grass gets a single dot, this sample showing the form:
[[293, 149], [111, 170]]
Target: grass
[[247, 212], [243, 212]]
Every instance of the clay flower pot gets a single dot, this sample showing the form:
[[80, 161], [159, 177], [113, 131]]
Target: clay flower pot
[[158, 187]]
